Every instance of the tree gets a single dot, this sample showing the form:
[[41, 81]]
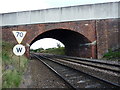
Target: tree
[[58, 45]]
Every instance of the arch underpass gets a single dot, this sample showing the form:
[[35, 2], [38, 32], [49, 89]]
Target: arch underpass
[[75, 43]]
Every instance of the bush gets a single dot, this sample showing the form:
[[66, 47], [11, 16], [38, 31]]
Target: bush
[[59, 51], [112, 55]]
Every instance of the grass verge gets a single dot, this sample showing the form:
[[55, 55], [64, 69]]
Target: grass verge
[[11, 72]]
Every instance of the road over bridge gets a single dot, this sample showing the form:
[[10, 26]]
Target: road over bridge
[[85, 30]]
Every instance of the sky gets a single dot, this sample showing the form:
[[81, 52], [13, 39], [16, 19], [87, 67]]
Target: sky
[[46, 43], [23, 5]]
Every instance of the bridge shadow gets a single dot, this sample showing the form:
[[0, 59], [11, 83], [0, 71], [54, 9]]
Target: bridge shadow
[[75, 43]]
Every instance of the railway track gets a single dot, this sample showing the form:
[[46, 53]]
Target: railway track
[[112, 67], [73, 77]]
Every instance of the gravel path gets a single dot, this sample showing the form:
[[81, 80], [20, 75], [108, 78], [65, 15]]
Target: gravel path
[[39, 76]]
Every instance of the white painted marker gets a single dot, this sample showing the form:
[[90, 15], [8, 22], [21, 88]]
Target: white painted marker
[[19, 50]]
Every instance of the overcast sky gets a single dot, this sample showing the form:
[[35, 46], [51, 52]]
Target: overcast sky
[[46, 43], [23, 5]]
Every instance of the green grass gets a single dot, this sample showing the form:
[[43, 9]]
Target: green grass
[[12, 74], [112, 55], [11, 79], [58, 51]]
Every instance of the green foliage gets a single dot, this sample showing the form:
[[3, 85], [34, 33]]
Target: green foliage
[[58, 45], [36, 50], [6, 48], [60, 50], [112, 55], [10, 67], [11, 79]]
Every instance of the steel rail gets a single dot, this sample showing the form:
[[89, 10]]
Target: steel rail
[[106, 81], [71, 86], [95, 66], [89, 60], [90, 63]]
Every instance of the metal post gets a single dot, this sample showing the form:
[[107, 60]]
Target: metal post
[[19, 64]]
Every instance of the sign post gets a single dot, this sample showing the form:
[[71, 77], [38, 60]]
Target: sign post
[[19, 49]]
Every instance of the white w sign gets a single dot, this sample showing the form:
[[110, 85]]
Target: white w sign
[[19, 50]]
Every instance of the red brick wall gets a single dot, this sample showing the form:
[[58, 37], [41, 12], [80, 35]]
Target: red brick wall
[[106, 32], [107, 36]]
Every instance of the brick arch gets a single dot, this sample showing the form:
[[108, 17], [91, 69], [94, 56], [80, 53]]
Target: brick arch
[[70, 38], [86, 28], [30, 42]]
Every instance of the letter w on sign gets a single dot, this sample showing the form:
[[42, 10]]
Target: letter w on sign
[[19, 49]]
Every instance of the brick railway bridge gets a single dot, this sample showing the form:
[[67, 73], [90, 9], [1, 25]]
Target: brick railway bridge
[[85, 30]]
